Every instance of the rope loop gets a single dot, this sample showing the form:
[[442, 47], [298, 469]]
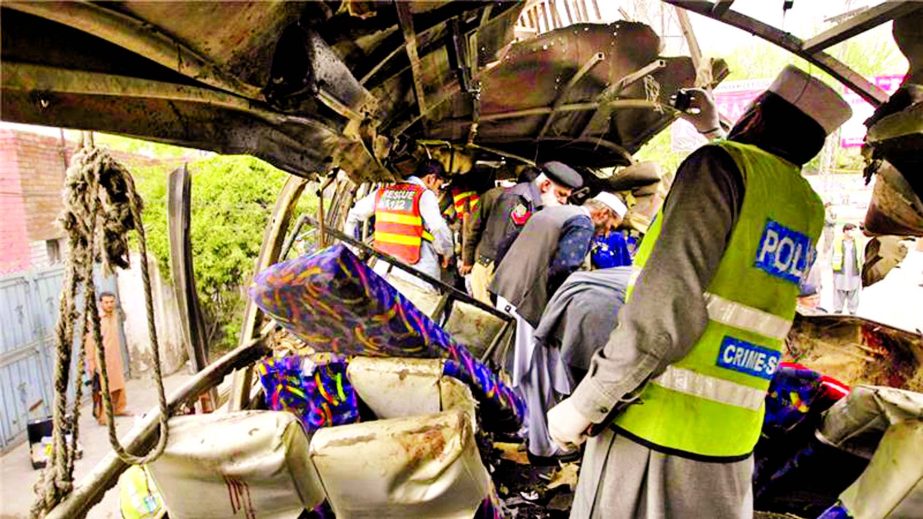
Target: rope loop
[[101, 208]]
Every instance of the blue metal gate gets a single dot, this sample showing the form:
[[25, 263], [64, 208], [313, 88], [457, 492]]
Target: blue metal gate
[[28, 313]]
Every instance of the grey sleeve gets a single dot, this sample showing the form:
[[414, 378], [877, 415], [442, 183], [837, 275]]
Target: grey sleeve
[[666, 313]]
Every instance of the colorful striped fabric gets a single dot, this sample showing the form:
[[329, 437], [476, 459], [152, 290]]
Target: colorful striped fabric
[[336, 303], [316, 391]]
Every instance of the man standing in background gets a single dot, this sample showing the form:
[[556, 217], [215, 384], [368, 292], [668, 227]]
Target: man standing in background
[[829, 226], [112, 352], [502, 216], [847, 271]]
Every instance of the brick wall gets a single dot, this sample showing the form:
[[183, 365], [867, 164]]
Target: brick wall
[[41, 170], [14, 240], [32, 171]]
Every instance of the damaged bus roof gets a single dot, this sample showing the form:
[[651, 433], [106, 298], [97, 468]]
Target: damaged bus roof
[[317, 85]]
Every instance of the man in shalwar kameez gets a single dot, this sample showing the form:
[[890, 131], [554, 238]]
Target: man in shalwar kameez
[[677, 392], [109, 326]]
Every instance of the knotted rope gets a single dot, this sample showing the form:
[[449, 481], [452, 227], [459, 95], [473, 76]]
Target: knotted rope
[[101, 206]]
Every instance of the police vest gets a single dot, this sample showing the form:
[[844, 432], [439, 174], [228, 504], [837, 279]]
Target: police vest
[[138, 495], [838, 255], [464, 202], [399, 227], [709, 404]]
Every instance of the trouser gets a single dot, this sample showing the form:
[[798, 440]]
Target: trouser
[[621, 479], [481, 276], [119, 403], [828, 239], [847, 298], [537, 375]]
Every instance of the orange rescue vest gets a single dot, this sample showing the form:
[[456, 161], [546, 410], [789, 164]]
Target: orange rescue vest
[[399, 227]]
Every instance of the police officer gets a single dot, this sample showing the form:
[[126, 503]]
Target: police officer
[[408, 223], [502, 216], [702, 331]]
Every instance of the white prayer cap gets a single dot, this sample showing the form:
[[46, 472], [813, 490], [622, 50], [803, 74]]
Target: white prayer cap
[[810, 95], [612, 202]]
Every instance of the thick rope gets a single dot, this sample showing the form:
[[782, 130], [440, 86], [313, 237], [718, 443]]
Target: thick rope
[[101, 207]]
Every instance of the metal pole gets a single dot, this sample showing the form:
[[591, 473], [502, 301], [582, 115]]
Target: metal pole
[[410, 270]]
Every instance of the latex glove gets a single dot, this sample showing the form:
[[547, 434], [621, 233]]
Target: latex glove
[[701, 101], [567, 426]]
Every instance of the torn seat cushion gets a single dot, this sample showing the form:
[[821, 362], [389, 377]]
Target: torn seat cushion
[[336, 303], [419, 459], [251, 464]]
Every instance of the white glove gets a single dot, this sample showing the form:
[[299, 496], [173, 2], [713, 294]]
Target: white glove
[[567, 426], [702, 112]]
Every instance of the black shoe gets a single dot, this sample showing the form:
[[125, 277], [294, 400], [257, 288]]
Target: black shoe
[[554, 461]]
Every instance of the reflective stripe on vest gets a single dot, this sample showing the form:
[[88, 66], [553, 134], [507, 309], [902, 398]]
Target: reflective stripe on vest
[[719, 390], [399, 227], [465, 202], [746, 317], [709, 404]]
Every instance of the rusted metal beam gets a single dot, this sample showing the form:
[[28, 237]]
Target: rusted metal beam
[[555, 17], [599, 15], [695, 52], [273, 238], [40, 78], [502, 153], [105, 474], [562, 95], [454, 292], [139, 37], [405, 17], [573, 107], [570, 17], [179, 202], [859, 23], [721, 7], [840, 71], [594, 140], [615, 89]]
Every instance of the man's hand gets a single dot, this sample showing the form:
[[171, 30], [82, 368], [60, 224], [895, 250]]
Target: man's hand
[[704, 112], [567, 426], [464, 270], [446, 260]]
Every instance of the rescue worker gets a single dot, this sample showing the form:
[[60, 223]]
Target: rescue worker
[[500, 220], [847, 271], [408, 223], [552, 245], [700, 335]]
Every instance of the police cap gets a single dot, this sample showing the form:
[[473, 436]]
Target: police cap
[[562, 174]]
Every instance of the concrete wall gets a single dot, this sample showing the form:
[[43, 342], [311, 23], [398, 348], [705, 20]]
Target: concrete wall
[[166, 314]]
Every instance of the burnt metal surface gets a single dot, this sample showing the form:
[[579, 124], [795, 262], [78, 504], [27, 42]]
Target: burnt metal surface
[[310, 86], [558, 96]]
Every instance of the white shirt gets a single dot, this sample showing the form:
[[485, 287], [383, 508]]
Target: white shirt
[[433, 222]]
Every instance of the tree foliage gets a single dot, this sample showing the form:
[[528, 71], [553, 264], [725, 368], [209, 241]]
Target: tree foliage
[[232, 201]]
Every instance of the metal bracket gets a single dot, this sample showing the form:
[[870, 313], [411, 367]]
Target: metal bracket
[[559, 100]]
